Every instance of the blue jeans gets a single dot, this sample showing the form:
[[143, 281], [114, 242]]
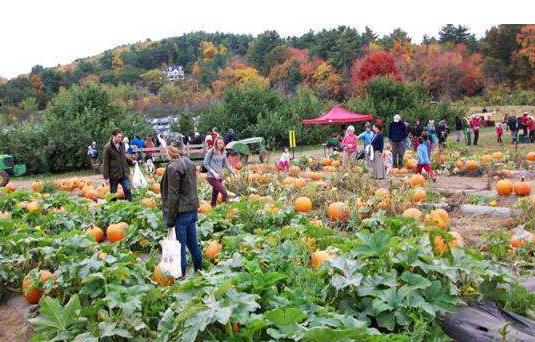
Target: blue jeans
[[125, 183], [186, 234]]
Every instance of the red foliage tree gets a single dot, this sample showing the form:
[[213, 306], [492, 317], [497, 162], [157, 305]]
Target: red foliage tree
[[379, 63]]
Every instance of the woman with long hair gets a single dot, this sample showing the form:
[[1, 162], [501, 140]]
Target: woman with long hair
[[214, 161]]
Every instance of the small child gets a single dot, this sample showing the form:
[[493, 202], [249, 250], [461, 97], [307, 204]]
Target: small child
[[284, 161], [423, 159], [387, 157], [427, 141], [149, 165], [499, 132]]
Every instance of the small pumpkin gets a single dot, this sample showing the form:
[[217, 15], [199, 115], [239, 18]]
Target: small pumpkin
[[338, 211], [38, 186], [10, 187], [115, 232], [295, 171], [522, 188], [303, 204], [418, 195], [213, 249], [160, 171], [471, 165], [319, 257], [417, 180], [504, 187], [204, 207], [155, 188], [34, 293], [413, 213], [96, 233], [497, 156], [530, 156], [161, 279], [486, 159]]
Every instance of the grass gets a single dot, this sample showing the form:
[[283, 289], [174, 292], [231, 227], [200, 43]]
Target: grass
[[50, 177]]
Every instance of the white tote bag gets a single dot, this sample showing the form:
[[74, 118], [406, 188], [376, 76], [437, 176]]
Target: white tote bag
[[170, 262], [138, 180]]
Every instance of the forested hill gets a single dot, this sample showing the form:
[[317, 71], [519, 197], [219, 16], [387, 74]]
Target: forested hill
[[335, 64]]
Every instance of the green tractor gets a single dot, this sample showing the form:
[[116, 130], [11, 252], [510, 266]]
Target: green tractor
[[247, 147], [8, 169]]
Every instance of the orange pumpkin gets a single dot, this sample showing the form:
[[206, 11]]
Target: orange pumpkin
[[96, 233], [338, 211], [486, 159], [394, 171], [295, 171], [319, 257], [161, 279], [32, 293], [504, 187], [160, 171], [497, 156], [315, 176], [205, 207], [155, 188], [418, 195], [10, 187], [459, 164], [303, 204], [148, 202], [115, 232], [288, 181], [471, 165], [412, 213], [410, 163], [38, 186], [522, 188], [417, 180], [299, 183], [326, 162], [335, 163], [213, 249], [530, 156]]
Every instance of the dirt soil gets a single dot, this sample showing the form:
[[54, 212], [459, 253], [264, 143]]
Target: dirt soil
[[13, 320]]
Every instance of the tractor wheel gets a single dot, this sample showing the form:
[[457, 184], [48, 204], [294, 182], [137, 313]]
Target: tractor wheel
[[263, 156], [4, 178]]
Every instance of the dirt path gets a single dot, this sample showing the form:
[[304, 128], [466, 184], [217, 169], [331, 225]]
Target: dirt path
[[13, 320]]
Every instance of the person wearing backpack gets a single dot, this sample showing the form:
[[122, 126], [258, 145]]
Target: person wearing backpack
[[214, 162], [180, 203]]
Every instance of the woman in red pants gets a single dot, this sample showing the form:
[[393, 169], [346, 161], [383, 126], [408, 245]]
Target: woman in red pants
[[214, 161]]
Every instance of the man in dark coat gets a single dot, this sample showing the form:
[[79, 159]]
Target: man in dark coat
[[512, 123], [459, 127], [397, 133], [115, 165]]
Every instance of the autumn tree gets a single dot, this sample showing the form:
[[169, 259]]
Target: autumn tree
[[261, 49], [375, 64]]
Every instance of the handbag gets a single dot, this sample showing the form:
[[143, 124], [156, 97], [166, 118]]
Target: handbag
[[170, 262]]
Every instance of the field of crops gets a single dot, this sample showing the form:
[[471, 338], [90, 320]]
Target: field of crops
[[322, 254]]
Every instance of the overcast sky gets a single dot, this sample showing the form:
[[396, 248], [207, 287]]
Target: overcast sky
[[58, 31]]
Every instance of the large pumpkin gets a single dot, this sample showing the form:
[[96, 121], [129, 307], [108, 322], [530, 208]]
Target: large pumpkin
[[161, 279], [38, 186], [213, 249], [115, 232], [417, 180], [155, 188], [522, 188], [288, 181], [504, 187], [319, 257], [418, 195], [160, 171], [34, 293], [530, 156], [96, 233], [412, 213], [303, 204], [338, 211]]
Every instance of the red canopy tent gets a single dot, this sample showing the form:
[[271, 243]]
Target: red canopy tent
[[337, 115]]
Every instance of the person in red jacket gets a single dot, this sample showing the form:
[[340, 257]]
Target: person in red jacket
[[475, 123], [531, 127], [499, 132], [524, 122]]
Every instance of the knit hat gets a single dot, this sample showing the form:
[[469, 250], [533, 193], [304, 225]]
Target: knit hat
[[397, 118]]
